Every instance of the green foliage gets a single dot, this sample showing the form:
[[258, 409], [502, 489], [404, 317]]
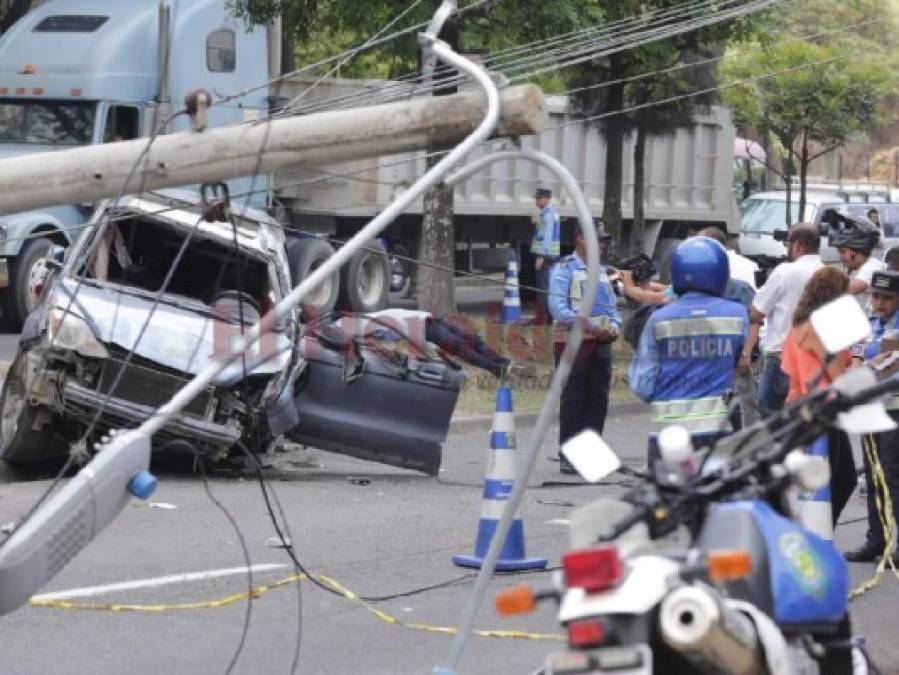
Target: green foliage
[[823, 91], [828, 101], [324, 28]]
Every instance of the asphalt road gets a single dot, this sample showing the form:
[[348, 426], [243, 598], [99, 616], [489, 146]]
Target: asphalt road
[[375, 530]]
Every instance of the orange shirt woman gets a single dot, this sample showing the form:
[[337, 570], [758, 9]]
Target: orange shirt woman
[[803, 355], [802, 360]]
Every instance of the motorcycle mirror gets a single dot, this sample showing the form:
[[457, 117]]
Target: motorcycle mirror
[[870, 418], [840, 324], [591, 456]]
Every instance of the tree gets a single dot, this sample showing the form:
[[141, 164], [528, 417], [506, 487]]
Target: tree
[[323, 28], [822, 96], [602, 89], [651, 121]]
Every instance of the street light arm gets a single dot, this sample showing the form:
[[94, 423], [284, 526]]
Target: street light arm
[[547, 412], [69, 520]]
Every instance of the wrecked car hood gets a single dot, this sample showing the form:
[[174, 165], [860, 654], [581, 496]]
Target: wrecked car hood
[[175, 337]]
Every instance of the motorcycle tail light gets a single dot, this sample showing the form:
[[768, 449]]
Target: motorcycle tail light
[[515, 600], [729, 565], [593, 569], [586, 633]]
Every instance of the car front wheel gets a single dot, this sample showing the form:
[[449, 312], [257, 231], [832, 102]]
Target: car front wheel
[[27, 434]]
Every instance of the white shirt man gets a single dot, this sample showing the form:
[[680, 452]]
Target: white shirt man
[[780, 295], [774, 305]]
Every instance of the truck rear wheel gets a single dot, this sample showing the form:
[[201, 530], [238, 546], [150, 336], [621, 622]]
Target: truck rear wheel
[[305, 256], [365, 279], [17, 300]]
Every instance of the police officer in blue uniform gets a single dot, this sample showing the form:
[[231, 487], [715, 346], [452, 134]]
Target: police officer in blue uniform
[[884, 327], [687, 352], [585, 399], [545, 247]]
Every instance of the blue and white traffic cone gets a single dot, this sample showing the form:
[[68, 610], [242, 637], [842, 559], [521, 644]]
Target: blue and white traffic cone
[[498, 486], [511, 312], [815, 508]]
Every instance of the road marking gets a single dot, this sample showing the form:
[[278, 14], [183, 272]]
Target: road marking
[[91, 591], [558, 521]]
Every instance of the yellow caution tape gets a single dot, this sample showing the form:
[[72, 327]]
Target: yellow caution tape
[[259, 591], [885, 515]]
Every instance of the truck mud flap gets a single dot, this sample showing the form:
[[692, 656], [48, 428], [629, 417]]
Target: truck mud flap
[[379, 406]]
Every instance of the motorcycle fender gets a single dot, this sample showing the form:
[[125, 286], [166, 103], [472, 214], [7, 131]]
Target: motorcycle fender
[[644, 585]]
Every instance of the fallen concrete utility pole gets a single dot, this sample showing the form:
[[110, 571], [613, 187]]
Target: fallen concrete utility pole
[[99, 171]]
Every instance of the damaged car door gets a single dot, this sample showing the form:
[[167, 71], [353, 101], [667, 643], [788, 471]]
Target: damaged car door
[[376, 396]]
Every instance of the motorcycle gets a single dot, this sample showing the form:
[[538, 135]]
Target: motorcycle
[[709, 565]]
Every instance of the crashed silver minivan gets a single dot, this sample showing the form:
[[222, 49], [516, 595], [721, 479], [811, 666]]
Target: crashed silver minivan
[[104, 348]]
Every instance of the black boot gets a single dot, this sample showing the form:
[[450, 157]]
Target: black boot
[[867, 552], [565, 466]]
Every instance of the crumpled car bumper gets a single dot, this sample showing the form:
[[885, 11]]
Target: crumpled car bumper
[[81, 401]]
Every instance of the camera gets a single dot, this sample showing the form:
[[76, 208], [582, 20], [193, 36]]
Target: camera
[[780, 235], [766, 265]]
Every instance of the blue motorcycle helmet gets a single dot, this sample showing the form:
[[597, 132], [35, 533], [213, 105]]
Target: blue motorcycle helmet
[[700, 264]]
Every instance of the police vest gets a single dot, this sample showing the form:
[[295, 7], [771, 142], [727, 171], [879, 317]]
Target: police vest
[[540, 231], [604, 306], [698, 338]]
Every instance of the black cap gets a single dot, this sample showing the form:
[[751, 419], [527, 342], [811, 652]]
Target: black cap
[[543, 192], [886, 282]]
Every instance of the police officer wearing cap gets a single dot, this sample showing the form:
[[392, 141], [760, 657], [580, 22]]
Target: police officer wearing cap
[[854, 242], [685, 359], [883, 339], [545, 246], [585, 399]]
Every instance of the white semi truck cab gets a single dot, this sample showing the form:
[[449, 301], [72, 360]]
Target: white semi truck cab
[[78, 72]]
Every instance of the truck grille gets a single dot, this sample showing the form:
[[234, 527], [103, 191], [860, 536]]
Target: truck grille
[[149, 386]]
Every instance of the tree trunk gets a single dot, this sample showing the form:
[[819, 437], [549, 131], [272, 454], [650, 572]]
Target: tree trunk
[[436, 277], [614, 133], [788, 174], [803, 176], [288, 52], [437, 246], [639, 225]]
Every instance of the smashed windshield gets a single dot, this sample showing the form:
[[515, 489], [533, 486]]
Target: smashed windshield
[[47, 122], [767, 215]]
